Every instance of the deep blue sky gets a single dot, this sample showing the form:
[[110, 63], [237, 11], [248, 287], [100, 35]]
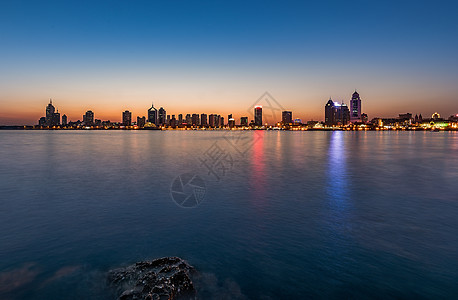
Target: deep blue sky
[[220, 56]]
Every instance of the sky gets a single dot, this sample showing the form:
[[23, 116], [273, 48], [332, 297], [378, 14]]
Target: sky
[[221, 56]]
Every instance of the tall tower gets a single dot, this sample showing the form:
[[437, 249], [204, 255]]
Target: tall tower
[[50, 109], [152, 114], [329, 113], [126, 118], [355, 108], [162, 117], [258, 115]]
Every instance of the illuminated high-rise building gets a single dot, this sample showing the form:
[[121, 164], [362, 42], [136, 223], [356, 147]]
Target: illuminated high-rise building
[[203, 120], [336, 113], [244, 121], [141, 121], [152, 115], [64, 120], [126, 118], [355, 108], [286, 117], [50, 109], [258, 115], [88, 118], [329, 114], [162, 116], [195, 120]]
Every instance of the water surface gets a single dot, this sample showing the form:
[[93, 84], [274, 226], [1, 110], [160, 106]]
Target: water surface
[[298, 215]]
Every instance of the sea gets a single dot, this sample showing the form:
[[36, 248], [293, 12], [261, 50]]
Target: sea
[[259, 214]]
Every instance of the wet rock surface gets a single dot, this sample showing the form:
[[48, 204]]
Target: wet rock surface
[[163, 278]]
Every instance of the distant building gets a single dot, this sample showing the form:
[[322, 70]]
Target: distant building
[[244, 121], [203, 120], [212, 120], [188, 119], [49, 113], [286, 117], [173, 121], [126, 118], [405, 118], [42, 121], [336, 113], [162, 116], [355, 108], [258, 115], [195, 120], [231, 122], [180, 119], [55, 119], [141, 121], [88, 118], [221, 121], [329, 114], [364, 118], [152, 115], [64, 120]]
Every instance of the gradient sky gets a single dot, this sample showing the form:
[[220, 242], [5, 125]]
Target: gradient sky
[[220, 56]]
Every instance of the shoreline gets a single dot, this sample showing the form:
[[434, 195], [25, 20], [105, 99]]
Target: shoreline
[[225, 129]]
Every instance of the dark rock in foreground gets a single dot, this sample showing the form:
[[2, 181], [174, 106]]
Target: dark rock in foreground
[[163, 278]]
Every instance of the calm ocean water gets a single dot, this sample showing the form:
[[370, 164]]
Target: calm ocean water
[[294, 214]]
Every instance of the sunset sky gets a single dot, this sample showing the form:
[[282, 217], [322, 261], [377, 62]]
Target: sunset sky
[[220, 56]]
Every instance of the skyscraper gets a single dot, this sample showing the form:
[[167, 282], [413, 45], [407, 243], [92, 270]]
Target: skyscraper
[[258, 115], [231, 122], [195, 120], [336, 113], [64, 120], [50, 109], [286, 117], [55, 118], [141, 121], [88, 118], [212, 120], [355, 108], [329, 114], [152, 114], [244, 121], [203, 120], [162, 116], [126, 118]]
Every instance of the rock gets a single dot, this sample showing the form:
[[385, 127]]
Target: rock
[[163, 278]]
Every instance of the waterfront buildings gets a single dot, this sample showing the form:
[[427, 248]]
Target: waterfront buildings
[[88, 118], [336, 113], [203, 120], [141, 121], [286, 117], [258, 115], [127, 118], [355, 108], [244, 121], [152, 114], [162, 117], [51, 118]]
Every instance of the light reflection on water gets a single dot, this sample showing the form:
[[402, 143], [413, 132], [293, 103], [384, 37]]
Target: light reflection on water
[[302, 214]]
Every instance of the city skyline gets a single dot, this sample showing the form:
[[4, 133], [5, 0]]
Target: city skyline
[[109, 57], [337, 116]]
